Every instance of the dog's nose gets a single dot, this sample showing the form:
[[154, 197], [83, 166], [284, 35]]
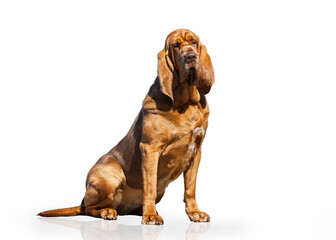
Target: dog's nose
[[190, 57]]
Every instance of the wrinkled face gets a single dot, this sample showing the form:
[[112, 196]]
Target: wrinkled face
[[184, 48]]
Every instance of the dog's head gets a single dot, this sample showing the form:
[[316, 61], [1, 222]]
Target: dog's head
[[184, 60]]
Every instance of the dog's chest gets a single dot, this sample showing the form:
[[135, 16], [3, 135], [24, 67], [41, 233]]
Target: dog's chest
[[177, 156], [186, 146]]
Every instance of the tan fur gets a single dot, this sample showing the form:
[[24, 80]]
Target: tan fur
[[164, 141]]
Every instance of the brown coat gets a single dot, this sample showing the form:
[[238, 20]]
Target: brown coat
[[163, 142]]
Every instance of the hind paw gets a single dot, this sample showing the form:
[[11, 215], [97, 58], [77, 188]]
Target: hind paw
[[108, 214]]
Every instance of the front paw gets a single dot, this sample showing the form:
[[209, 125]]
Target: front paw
[[155, 219], [199, 217]]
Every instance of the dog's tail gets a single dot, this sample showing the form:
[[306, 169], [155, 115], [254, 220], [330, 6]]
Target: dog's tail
[[71, 211], [64, 212]]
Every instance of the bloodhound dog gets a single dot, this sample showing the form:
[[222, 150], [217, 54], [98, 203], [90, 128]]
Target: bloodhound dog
[[163, 142]]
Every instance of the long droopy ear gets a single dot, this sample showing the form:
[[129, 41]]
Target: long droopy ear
[[206, 72], [165, 73]]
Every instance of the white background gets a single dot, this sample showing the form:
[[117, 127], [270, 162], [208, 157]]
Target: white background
[[73, 75]]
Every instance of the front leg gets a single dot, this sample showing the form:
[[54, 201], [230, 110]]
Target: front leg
[[150, 160], [191, 207]]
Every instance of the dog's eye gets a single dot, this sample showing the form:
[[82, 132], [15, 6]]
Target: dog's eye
[[176, 45], [194, 42]]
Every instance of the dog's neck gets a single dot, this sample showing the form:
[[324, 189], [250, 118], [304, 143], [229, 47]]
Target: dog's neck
[[185, 93]]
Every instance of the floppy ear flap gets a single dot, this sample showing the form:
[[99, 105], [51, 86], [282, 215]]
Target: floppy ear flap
[[206, 76], [165, 73]]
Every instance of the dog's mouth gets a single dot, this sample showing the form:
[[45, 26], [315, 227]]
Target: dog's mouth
[[192, 76]]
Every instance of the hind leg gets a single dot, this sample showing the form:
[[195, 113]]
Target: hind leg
[[104, 208], [104, 193]]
